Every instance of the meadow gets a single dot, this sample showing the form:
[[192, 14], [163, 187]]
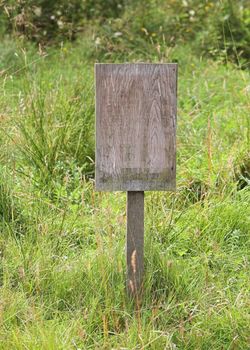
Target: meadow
[[62, 255]]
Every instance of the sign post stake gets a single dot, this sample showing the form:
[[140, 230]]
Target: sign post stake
[[135, 143], [135, 242]]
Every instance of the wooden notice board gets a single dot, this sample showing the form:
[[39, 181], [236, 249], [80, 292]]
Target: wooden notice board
[[135, 126]]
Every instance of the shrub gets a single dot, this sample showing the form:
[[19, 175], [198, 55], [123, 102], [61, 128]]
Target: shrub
[[217, 29], [51, 21]]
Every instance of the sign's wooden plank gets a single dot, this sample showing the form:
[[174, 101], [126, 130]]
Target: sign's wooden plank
[[135, 242], [135, 126]]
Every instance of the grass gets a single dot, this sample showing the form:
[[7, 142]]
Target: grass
[[62, 266]]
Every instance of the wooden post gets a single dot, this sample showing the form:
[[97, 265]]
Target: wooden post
[[135, 242], [135, 143]]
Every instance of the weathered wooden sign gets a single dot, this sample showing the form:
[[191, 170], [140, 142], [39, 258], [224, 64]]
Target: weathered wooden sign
[[135, 141], [135, 126]]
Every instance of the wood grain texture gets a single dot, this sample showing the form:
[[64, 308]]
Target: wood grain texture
[[135, 126], [135, 242]]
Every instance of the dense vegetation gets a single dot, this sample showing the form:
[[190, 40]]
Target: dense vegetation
[[62, 262]]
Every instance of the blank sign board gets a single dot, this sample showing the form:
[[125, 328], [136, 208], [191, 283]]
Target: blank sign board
[[135, 126]]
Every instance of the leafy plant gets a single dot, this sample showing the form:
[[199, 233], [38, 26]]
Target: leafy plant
[[51, 21]]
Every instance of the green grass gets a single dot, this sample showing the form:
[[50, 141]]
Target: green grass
[[62, 266]]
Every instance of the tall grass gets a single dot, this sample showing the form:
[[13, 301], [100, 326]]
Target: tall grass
[[63, 276]]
